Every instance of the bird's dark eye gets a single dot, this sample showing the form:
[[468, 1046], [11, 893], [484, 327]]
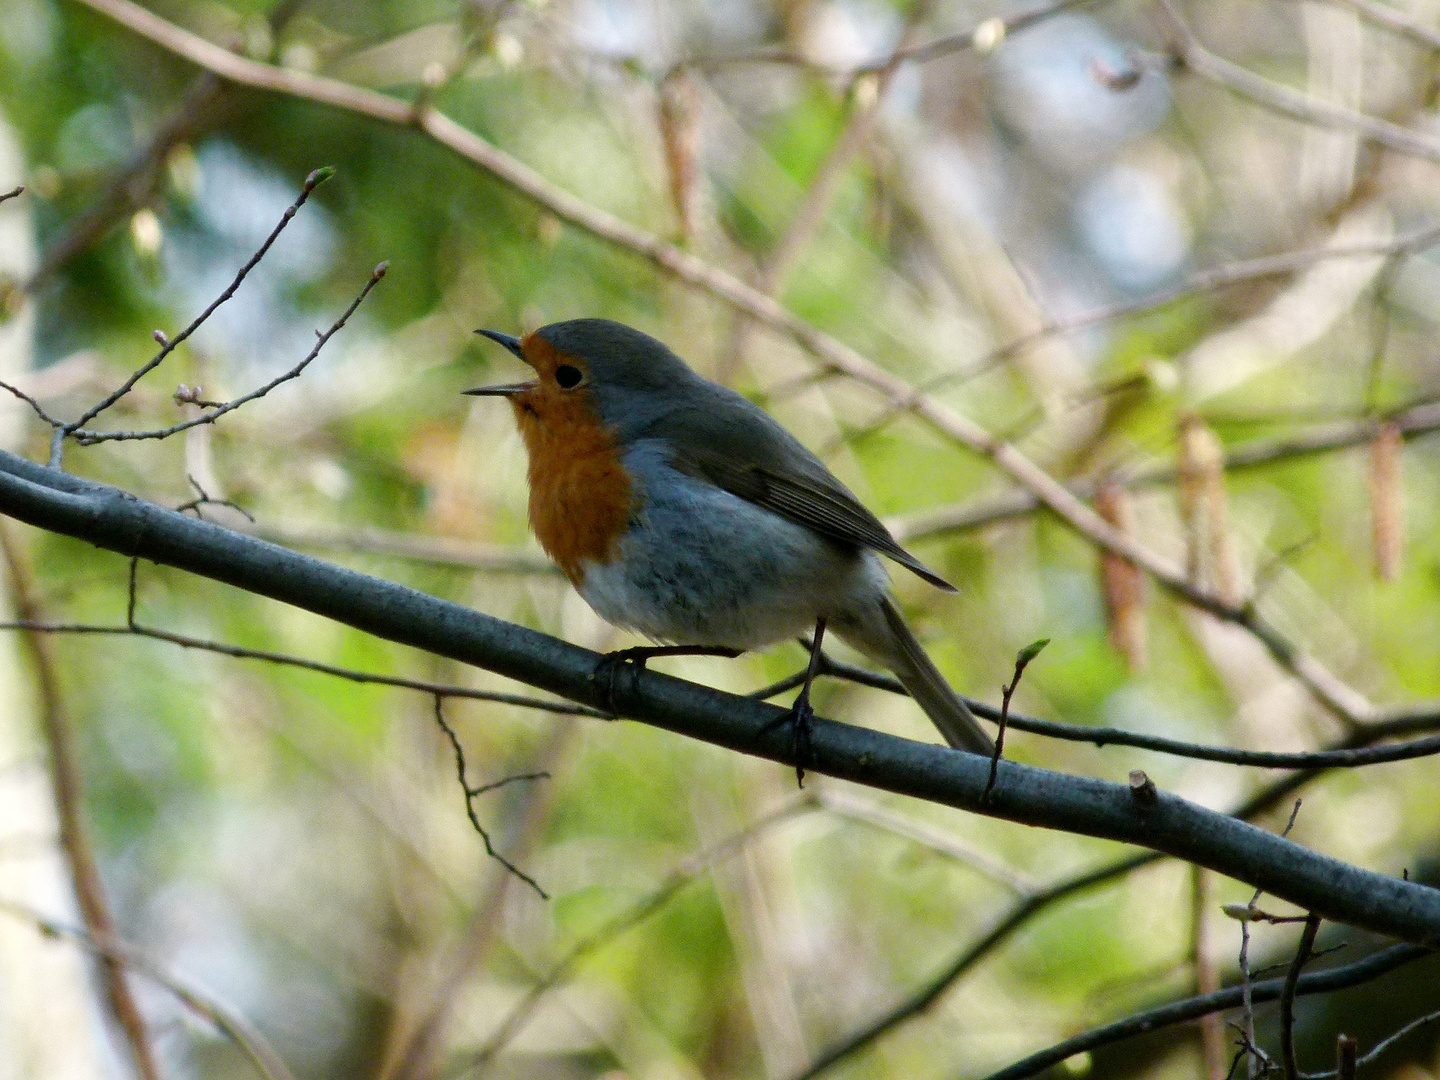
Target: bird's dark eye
[[569, 377]]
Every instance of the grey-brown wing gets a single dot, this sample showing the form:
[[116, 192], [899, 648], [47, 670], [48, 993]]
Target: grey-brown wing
[[797, 486]]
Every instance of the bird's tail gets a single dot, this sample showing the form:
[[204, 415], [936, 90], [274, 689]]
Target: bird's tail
[[884, 637]]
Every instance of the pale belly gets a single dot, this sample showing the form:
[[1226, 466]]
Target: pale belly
[[700, 566]]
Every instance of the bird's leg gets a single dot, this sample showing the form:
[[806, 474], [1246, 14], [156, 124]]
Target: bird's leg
[[801, 714], [607, 671]]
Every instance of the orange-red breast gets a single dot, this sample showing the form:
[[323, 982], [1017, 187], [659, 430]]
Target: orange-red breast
[[682, 511]]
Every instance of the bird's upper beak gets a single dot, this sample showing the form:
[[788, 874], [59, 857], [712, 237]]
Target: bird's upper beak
[[504, 389]]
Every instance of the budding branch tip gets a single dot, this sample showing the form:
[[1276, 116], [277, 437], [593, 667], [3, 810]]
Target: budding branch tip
[[318, 177]]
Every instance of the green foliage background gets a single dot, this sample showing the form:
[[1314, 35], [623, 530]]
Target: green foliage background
[[299, 844]]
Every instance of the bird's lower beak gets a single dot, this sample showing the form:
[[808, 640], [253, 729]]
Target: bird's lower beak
[[503, 390]]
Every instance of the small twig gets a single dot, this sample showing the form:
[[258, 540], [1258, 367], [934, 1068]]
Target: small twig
[[1250, 913], [1287, 101], [1345, 1057], [1022, 661], [1193, 1008], [472, 793], [1287, 996], [12, 194], [35, 405], [112, 949], [204, 499], [682, 875], [65, 776], [190, 395], [1315, 954], [1360, 752], [432, 688], [1257, 1061], [1254, 1056], [89, 438], [314, 180], [1345, 1050]]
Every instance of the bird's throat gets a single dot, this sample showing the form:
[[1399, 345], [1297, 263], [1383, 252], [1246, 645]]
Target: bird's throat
[[580, 492]]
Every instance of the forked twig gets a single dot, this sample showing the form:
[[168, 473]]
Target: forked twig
[[1022, 661], [472, 793], [169, 344], [87, 437]]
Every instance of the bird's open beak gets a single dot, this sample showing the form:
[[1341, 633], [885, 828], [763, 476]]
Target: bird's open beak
[[506, 389], [503, 390]]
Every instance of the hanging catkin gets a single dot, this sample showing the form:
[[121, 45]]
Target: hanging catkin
[[1122, 583], [1387, 500]]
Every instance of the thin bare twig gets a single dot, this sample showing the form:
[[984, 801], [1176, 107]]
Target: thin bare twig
[[1254, 1057], [169, 344], [113, 950], [1412, 421], [1364, 752], [1287, 101], [683, 874], [1022, 661], [1287, 996], [34, 405], [419, 1034], [1350, 1061], [203, 498], [65, 778], [433, 688], [87, 438], [471, 793], [1401, 723], [1190, 1009]]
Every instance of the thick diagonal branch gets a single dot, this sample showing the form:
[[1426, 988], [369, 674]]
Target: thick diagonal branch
[[118, 521]]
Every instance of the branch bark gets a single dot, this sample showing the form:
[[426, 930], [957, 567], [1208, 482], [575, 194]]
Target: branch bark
[[1345, 702], [118, 521]]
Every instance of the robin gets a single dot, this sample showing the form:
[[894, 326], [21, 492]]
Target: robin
[[680, 510]]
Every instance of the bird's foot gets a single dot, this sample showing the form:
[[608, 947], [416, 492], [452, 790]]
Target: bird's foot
[[606, 675], [799, 717]]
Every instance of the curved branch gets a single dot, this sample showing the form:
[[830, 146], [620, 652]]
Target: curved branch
[[1412, 422], [1179, 1012], [1345, 702], [118, 521], [113, 950]]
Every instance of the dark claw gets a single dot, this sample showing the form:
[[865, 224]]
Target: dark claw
[[634, 660], [799, 717], [607, 671]]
